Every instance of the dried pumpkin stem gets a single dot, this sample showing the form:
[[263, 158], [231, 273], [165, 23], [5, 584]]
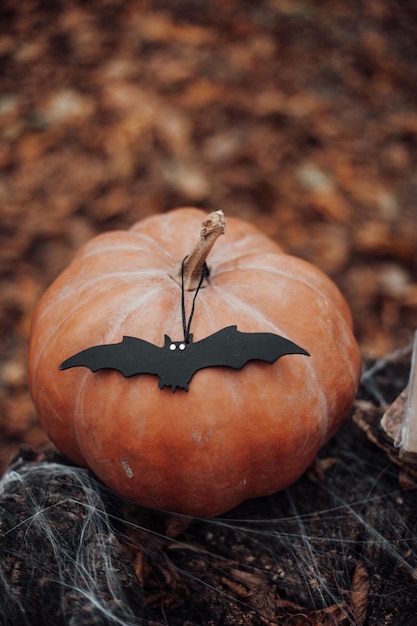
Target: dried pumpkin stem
[[212, 227]]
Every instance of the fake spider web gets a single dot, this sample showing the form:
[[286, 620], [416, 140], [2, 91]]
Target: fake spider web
[[338, 547]]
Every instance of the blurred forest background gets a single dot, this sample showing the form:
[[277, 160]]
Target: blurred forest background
[[299, 116]]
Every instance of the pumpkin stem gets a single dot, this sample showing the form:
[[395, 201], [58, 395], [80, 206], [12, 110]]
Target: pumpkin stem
[[212, 227]]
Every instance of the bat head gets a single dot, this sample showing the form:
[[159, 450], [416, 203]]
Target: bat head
[[174, 346], [172, 373]]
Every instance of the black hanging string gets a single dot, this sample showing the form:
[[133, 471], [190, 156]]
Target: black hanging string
[[187, 325]]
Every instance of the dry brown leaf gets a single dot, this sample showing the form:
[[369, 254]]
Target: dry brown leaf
[[359, 593]]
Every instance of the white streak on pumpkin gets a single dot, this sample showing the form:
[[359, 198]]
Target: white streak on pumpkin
[[127, 468]]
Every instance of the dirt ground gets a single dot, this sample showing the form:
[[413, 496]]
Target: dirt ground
[[298, 116]]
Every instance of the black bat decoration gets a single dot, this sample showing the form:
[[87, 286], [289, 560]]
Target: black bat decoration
[[176, 362]]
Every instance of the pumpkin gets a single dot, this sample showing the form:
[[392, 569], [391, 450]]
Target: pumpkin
[[235, 434]]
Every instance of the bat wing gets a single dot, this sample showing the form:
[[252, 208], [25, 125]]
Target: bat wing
[[232, 348], [129, 357]]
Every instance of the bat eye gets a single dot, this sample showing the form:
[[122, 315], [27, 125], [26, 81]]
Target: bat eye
[[172, 346], [182, 346]]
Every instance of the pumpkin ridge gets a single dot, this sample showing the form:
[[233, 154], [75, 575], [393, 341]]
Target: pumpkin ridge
[[345, 327], [253, 240], [292, 277], [231, 252], [235, 301], [78, 413], [76, 310], [254, 314], [80, 286], [272, 270], [53, 412], [98, 249]]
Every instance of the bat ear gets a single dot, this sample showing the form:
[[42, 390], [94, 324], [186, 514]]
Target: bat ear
[[168, 341]]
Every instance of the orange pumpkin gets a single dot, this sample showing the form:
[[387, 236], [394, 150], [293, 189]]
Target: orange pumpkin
[[235, 434]]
